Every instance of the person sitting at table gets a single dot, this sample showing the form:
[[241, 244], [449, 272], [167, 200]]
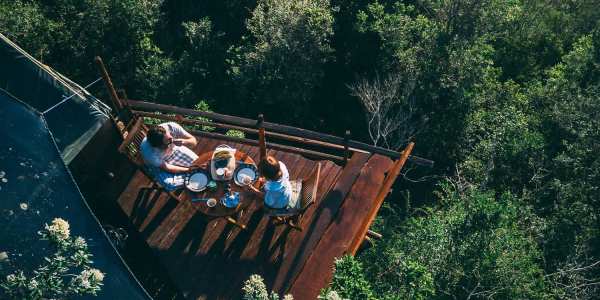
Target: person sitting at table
[[166, 152], [277, 187]]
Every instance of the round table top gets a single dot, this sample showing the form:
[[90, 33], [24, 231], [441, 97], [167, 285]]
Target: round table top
[[219, 210]]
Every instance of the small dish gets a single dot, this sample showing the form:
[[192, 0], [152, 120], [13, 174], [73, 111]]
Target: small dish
[[196, 182], [211, 202]]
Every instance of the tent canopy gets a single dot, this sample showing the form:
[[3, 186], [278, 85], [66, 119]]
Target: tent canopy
[[36, 188], [45, 121], [45, 90]]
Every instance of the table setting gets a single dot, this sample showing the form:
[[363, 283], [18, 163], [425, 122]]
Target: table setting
[[217, 186]]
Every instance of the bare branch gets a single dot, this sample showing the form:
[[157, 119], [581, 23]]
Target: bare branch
[[390, 109]]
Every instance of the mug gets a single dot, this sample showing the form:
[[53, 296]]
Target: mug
[[212, 185]]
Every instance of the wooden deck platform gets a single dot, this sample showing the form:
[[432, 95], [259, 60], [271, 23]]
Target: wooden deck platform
[[210, 259]]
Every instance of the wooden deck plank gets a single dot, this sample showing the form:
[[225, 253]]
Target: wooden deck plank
[[210, 259], [321, 217], [194, 248], [317, 271]]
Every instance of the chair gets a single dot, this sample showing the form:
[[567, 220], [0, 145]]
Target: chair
[[134, 134], [307, 196]]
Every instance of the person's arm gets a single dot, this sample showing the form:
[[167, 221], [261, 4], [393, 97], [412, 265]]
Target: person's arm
[[181, 137], [189, 142], [176, 169], [255, 190]]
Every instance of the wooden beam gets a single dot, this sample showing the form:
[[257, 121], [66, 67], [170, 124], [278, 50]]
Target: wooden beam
[[261, 138], [374, 235], [346, 152], [383, 192], [117, 104], [328, 208], [295, 139], [152, 107], [188, 121], [334, 242], [304, 152]]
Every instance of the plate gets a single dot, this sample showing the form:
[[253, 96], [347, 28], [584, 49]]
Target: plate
[[243, 171], [197, 182]]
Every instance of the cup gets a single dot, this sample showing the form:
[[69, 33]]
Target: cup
[[212, 185], [211, 202]]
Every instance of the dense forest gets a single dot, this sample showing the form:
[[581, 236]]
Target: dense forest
[[504, 95]]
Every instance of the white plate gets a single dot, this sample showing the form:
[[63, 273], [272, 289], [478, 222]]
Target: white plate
[[197, 182], [241, 173]]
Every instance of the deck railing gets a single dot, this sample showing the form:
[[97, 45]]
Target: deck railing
[[292, 139], [321, 145]]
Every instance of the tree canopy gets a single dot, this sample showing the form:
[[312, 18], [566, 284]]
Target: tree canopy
[[505, 93]]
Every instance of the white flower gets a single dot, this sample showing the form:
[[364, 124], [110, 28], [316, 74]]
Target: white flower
[[3, 256], [33, 284], [86, 284], [89, 279], [288, 297], [59, 229], [11, 278], [23, 206], [333, 295], [254, 288], [93, 274], [97, 275], [80, 242]]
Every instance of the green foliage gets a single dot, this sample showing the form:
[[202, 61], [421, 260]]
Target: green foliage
[[67, 34], [21, 22], [510, 90], [280, 62], [349, 280], [474, 244], [55, 278]]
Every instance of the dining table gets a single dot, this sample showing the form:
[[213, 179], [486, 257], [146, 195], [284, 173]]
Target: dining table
[[220, 189]]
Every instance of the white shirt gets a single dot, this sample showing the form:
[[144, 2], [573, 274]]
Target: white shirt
[[154, 156], [278, 193]]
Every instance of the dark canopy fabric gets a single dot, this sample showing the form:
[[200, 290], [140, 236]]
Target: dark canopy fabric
[[37, 188], [42, 88]]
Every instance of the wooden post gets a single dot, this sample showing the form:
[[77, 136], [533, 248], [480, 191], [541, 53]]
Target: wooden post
[[385, 189], [346, 152], [374, 234], [262, 143], [117, 104]]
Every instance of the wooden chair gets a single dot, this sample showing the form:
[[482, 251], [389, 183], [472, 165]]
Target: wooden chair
[[307, 197], [134, 134]]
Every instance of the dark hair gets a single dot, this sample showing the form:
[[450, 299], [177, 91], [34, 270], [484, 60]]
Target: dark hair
[[269, 167], [156, 136]]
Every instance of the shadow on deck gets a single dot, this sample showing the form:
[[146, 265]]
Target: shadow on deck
[[210, 259]]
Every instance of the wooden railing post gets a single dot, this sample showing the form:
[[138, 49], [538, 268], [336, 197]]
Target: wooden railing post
[[262, 143], [116, 102], [346, 151]]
